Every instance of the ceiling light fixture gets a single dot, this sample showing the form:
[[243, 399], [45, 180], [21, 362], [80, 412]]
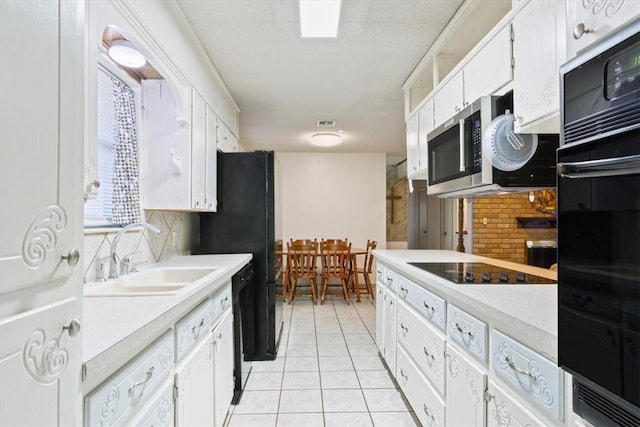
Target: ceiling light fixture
[[125, 54], [319, 18], [325, 139]]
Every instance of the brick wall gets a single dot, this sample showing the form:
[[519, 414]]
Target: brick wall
[[500, 237]]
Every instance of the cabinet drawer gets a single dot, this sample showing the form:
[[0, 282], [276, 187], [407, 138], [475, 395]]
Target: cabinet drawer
[[467, 331], [431, 306], [191, 327], [391, 279], [380, 274], [220, 302], [423, 344], [427, 405], [115, 400], [504, 410], [535, 376], [159, 412]]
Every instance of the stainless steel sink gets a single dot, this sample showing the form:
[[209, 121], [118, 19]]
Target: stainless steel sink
[[155, 281]]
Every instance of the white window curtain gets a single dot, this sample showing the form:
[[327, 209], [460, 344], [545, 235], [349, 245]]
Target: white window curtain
[[126, 189]]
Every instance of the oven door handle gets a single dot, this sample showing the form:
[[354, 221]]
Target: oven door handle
[[628, 165]]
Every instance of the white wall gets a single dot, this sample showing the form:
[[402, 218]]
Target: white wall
[[333, 195]]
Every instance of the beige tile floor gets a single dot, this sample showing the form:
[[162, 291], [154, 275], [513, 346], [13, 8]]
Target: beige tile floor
[[327, 373]]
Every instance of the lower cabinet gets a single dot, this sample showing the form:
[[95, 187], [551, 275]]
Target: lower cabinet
[[466, 383], [222, 368], [428, 406], [502, 410], [454, 380], [194, 385]]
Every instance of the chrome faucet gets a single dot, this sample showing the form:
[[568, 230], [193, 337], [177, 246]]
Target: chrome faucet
[[113, 260]]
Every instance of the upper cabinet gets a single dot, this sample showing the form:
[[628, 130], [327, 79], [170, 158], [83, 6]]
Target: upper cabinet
[[180, 152], [488, 70], [225, 140], [538, 52], [418, 127], [590, 20]]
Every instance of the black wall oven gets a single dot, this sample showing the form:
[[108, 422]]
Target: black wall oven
[[599, 229]]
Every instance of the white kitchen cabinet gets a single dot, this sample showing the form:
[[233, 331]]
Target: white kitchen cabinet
[[490, 68], [504, 410], [222, 368], [225, 140], [390, 329], [589, 20], [413, 153], [425, 125], [449, 100], [41, 179], [428, 406], [198, 151], [39, 365], [466, 382], [211, 162], [159, 412], [380, 288], [418, 126], [179, 158], [538, 51], [194, 385]]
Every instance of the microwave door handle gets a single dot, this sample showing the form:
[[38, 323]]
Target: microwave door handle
[[628, 165], [462, 165]]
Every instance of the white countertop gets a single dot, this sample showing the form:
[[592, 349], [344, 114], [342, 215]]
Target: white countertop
[[527, 313], [116, 328]]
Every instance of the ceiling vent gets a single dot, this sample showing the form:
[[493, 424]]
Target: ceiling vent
[[326, 123]]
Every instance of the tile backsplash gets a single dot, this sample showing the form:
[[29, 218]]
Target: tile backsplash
[[147, 247]]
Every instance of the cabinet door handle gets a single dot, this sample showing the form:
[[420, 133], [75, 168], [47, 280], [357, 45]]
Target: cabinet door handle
[[404, 328], [429, 414], [73, 328], [403, 375], [580, 30], [142, 382], [72, 257]]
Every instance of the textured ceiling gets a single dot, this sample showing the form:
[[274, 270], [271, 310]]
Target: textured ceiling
[[284, 83]]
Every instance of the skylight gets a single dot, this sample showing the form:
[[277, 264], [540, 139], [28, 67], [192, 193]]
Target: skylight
[[319, 18]]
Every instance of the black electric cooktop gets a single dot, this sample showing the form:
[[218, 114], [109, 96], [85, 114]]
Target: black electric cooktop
[[479, 273]]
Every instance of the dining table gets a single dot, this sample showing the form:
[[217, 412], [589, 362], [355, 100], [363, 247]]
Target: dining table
[[354, 285]]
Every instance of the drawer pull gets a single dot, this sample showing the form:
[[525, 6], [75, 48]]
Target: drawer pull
[[404, 328], [404, 290], [429, 355], [513, 366], [426, 411], [142, 382], [223, 303], [200, 325], [403, 375], [389, 279], [462, 331], [428, 307]]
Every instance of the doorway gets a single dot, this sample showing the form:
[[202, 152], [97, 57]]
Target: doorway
[[431, 220]]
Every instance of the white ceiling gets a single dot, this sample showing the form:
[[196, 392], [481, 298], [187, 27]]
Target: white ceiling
[[284, 84]]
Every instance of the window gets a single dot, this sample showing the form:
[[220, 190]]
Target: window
[[98, 211]]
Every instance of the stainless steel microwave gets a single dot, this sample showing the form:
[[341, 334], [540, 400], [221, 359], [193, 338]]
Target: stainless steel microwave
[[458, 168]]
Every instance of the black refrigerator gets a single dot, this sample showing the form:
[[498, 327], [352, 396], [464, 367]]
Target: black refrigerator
[[244, 222]]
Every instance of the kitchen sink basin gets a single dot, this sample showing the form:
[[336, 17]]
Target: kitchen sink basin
[[156, 281]]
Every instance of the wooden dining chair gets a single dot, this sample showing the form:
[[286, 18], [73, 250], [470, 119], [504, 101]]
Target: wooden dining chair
[[302, 259], [365, 271], [286, 288], [334, 241], [335, 260]]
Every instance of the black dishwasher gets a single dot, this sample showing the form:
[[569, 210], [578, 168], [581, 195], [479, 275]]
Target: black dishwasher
[[243, 339]]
